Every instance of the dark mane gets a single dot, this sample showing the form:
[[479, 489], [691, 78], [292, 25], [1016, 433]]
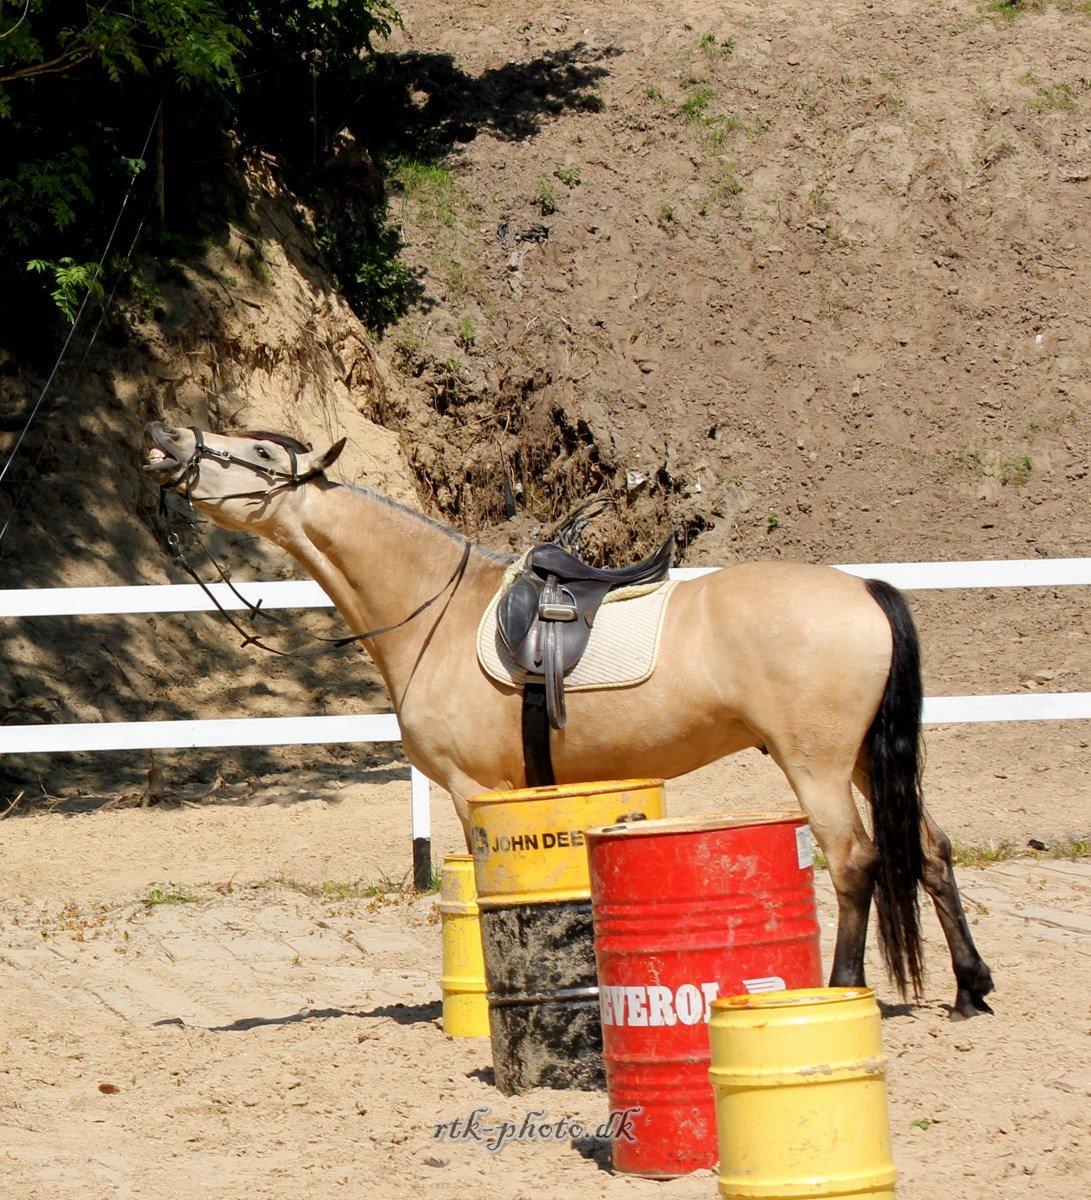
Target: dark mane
[[446, 530], [281, 439]]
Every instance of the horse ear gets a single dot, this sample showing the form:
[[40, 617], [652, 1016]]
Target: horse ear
[[327, 458]]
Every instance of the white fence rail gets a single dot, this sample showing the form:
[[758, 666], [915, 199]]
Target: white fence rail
[[305, 593], [173, 735], [383, 727]]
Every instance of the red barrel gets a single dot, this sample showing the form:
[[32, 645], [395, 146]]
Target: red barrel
[[686, 911]]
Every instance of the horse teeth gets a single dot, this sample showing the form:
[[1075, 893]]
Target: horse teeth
[[157, 455]]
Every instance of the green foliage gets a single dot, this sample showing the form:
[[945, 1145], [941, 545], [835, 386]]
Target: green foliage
[[545, 197], [569, 176], [71, 282], [79, 86], [193, 40], [1009, 9], [431, 187], [384, 888], [467, 334], [1004, 851], [712, 127], [1016, 472], [384, 286], [694, 106], [44, 192], [717, 47], [171, 894], [365, 256]]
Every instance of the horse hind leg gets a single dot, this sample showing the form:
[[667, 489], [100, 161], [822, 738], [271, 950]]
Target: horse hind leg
[[852, 862], [974, 979]]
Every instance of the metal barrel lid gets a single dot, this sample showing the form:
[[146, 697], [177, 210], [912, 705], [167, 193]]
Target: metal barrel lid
[[562, 791], [703, 823]]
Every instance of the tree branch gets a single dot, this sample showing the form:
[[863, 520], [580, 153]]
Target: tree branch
[[63, 62]]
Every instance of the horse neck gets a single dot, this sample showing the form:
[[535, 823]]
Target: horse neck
[[378, 562]]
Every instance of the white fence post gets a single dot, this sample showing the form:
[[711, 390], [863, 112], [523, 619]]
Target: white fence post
[[422, 830]]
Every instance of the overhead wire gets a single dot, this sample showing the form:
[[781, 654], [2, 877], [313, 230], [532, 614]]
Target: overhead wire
[[77, 374], [36, 408]]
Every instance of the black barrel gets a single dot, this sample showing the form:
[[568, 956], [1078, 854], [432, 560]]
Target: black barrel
[[543, 996]]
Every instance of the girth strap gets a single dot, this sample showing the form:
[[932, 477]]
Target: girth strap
[[537, 756]]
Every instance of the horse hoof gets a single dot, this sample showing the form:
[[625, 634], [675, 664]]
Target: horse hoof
[[969, 1004], [980, 981]]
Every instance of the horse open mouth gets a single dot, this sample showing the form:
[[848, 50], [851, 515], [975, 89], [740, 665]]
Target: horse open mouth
[[162, 461]]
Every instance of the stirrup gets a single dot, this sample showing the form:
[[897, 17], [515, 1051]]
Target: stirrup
[[555, 604]]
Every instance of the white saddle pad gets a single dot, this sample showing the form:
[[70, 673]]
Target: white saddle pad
[[621, 652]]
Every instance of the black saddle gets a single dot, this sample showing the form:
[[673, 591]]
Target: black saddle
[[546, 615]]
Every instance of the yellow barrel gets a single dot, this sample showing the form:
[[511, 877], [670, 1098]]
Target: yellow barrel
[[528, 844], [800, 1084], [465, 1007]]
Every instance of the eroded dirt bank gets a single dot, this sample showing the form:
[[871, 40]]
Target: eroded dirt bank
[[804, 277]]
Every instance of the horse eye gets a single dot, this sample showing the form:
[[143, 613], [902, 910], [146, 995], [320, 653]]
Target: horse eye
[[262, 452]]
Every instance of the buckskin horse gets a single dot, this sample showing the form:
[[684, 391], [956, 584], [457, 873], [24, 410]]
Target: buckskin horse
[[814, 666]]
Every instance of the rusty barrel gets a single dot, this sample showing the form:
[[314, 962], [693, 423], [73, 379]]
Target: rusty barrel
[[530, 869], [686, 911]]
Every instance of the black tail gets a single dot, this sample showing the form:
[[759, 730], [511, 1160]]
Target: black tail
[[894, 766]]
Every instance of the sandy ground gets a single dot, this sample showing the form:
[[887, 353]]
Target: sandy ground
[[828, 276], [269, 1043]]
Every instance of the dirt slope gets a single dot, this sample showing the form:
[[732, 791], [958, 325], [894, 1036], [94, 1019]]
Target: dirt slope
[[807, 276]]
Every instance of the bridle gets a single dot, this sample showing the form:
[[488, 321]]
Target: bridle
[[191, 469], [284, 480]]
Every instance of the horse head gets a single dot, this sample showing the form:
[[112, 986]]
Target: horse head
[[238, 480]]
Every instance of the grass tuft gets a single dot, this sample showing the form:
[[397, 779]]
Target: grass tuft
[[466, 337], [545, 198], [716, 47], [1016, 472], [984, 855], [355, 889], [431, 188], [171, 894], [694, 106], [1010, 9]]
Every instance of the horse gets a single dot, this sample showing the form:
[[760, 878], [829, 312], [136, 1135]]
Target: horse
[[817, 668]]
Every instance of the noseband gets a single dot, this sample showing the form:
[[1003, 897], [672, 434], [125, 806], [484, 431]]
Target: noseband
[[281, 480]]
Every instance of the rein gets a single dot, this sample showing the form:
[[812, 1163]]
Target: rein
[[289, 479]]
